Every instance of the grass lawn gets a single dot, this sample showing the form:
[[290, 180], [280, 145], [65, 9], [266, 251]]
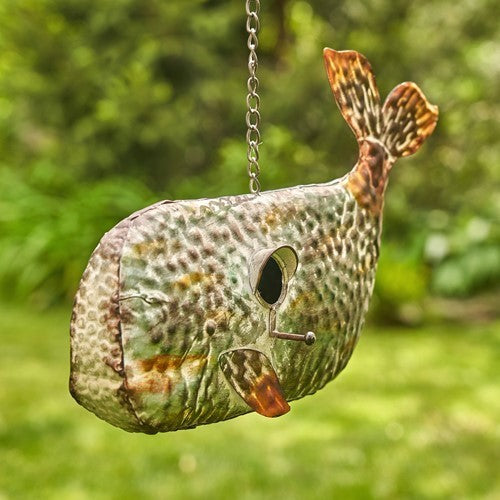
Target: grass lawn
[[416, 414]]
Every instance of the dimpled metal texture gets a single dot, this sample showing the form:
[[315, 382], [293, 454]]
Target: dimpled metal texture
[[96, 380], [168, 332], [186, 264]]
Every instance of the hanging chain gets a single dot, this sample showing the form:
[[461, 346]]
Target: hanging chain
[[253, 99]]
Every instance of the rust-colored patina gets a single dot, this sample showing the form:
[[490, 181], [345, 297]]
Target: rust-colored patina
[[196, 311]]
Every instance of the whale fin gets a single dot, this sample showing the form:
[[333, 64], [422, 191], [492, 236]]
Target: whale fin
[[252, 376]]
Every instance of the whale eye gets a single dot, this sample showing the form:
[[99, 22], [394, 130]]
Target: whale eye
[[270, 272]]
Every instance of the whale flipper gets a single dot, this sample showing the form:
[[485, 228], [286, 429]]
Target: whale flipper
[[252, 376]]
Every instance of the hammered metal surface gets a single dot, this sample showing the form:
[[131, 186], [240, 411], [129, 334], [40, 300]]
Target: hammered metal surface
[[168, 331], [187, 263], [96, 380]]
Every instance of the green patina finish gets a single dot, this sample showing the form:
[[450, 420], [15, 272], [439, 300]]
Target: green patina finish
[[168, 331]]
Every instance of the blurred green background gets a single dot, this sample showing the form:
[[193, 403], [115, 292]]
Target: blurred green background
[[107, 106]]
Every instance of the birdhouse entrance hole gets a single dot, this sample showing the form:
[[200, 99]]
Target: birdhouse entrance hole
[[270, 272], [271, 282]]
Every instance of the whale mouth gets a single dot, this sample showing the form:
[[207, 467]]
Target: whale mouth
[[254, 379]]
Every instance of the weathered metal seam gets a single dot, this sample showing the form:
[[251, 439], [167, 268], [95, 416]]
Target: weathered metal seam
[[127, 399], [132, 410]]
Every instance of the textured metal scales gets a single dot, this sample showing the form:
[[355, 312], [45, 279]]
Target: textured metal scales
[[167, 330]]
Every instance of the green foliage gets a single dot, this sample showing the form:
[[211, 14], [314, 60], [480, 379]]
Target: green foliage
[[120, 103], [402, 284], [414, 415], [50, 225], [466, 258], [468, 272]]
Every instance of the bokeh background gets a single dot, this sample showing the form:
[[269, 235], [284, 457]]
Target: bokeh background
[[107, 106]]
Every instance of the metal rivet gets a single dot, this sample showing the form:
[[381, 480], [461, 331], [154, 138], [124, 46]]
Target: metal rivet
[[210, 326]]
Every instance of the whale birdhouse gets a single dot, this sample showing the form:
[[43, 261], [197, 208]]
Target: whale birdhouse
[[196, 311]]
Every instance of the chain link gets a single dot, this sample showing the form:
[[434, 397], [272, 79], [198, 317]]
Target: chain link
[[253, 99]]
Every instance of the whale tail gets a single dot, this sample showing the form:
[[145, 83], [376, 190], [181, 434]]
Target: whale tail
[[384, 132], [404, 121]]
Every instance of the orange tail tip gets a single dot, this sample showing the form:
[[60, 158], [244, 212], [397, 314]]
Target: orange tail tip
[[402, 124]]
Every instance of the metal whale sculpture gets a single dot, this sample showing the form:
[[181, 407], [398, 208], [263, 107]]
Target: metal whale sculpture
[[192, 312]]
